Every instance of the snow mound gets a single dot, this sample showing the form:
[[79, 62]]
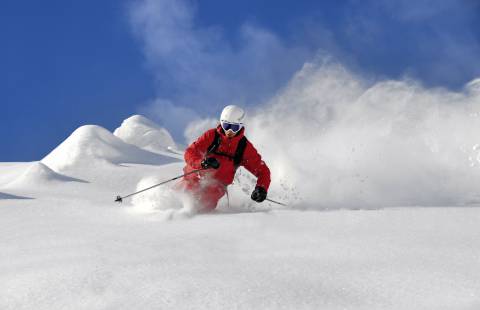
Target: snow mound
[[39, 174], [92, 145], [142, 132]]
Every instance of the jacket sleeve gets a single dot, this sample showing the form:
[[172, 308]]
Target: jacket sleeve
[[252, 161], [195, 152]]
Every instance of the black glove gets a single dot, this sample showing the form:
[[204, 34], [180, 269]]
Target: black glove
[[210, 162], [259, 194]]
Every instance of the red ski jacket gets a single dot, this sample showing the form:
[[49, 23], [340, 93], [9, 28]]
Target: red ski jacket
[[251, 160]]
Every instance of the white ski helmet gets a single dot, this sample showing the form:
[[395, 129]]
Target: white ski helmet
[[232, 114]]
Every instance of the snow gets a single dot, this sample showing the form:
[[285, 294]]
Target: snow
[[356, 234], [370, 145], [163, 202], [38, 174], [92, 144], [474, 86], [59, 254], [142, 132], [8, 196]]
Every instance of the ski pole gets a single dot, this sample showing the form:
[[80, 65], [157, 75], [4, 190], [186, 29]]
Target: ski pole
[[120, 199], [278, 203]]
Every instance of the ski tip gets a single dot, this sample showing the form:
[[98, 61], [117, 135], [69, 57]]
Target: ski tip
[[118, 199]]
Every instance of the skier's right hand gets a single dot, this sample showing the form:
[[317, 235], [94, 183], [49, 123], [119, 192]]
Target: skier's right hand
[[210, 162]]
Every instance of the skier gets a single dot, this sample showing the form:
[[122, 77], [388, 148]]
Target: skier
[[221, 151]]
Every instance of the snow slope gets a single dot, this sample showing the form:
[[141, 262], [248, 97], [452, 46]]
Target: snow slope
[[59, 254], [71, 247]]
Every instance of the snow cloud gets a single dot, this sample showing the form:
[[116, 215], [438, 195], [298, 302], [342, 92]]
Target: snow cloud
[[162, 203], [347, 142], [199, 69]]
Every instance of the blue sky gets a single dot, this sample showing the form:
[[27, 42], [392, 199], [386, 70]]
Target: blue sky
[[69, 63]]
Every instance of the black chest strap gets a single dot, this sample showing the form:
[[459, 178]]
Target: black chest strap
[[237, 158]]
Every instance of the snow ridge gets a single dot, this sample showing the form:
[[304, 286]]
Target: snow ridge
[[94, 145], [38, 174], [142, 132]]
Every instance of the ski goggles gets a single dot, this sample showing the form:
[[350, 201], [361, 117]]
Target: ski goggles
[[235, 127]]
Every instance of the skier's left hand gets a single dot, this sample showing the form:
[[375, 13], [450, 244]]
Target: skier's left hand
[[210, 162], [259, 194]]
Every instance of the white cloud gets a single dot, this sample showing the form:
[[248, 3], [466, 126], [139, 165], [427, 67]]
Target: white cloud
[[198, 127], [172, 117], [198, 68]]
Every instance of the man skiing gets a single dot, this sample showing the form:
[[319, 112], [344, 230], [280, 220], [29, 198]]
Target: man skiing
[[220, 151]]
